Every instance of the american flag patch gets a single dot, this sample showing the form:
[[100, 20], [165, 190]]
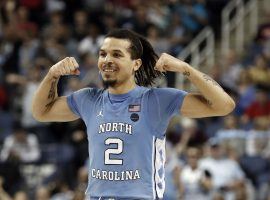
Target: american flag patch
[[134, 108]]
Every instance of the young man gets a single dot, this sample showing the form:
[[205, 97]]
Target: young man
[[126, 122]]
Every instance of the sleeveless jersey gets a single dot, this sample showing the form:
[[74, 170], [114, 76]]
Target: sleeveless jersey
[[126, 135]]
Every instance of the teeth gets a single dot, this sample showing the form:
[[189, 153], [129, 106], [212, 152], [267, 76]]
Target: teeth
[[109, 70]]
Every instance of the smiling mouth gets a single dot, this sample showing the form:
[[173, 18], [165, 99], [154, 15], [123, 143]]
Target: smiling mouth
[[109, 70]]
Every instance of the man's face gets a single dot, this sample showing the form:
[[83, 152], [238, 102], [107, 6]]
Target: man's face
[[115, 63], [20, 136], [193, 157], [216, 151]]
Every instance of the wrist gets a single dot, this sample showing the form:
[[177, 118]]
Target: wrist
[[50, 75]]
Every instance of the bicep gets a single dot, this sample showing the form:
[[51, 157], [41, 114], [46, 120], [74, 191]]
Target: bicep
[[195, 106], [59, 111]]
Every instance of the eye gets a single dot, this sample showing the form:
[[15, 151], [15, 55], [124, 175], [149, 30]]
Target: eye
[[116, 55], [102, 54]]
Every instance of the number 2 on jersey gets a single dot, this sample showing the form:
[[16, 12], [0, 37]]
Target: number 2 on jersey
[[114, 151]]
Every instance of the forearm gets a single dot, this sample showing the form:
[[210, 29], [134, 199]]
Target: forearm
[[212, 93], [45, 96]]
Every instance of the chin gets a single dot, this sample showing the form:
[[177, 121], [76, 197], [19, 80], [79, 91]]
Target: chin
[[109, 83]]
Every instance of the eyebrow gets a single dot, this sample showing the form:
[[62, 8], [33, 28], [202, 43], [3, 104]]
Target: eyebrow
[[114, 50]]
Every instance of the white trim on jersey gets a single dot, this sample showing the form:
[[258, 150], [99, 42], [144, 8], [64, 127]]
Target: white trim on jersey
[[153, 167], [159, 171]]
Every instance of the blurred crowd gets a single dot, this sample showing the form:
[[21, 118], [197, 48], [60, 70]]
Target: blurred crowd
[[212, 158]]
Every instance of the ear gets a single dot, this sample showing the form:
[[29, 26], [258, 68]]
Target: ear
[[138, 64]]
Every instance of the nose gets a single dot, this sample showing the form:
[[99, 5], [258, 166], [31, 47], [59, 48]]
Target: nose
[[108, 59]]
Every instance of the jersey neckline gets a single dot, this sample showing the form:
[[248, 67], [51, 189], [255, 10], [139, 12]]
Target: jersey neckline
[[122, 97]]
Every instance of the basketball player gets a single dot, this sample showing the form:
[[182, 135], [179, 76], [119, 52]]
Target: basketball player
[[126, 122]]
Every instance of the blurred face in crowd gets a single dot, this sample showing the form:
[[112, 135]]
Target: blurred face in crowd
[[20, 196], [193, 157], [231, 58], [20, 136], [42, 194], [80, 17], [115, 63], [245, 78], [230, 122], [261, 62], [35, 74], [22, 13], [262, 96], [215, 151]]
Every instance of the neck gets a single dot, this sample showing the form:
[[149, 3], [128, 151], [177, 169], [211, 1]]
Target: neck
[[122, 88], [193, 167]]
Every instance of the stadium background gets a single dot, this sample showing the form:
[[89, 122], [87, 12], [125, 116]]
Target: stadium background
[[49, 160]]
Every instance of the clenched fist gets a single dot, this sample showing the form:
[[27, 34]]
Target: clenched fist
[[167, 62], [67, 66]]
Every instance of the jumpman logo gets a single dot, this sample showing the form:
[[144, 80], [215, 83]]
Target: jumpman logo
[[100, 114]]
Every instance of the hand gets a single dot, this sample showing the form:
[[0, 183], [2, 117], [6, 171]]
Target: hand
[[167, 62], [67, 66]]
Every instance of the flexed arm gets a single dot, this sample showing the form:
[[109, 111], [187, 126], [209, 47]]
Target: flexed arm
[[47, 106], [211, 100]]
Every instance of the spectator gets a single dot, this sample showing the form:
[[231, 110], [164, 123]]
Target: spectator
[[231, 135], [91, 43], [260, 72], [191, 135], [20, 147], [80, 145], [63, 193], [246, 92], [110, 22], [159, 44], [260, 107], [193, 14], [89, 73], [193, 182], [158, 14], [82, 178], [226, 182], [28, 85], [231, 69], [178, 35], [197, 135], [139, 21], [80, 23], [258, 173], [257, 46]]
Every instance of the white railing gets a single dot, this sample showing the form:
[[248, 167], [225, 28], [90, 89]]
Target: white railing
[[233, 22], [200, 50]]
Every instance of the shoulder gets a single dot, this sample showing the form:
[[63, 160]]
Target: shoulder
[[9, 139], [162, 90], [206, 161], [231, 163], [89, 92], [166, 93]]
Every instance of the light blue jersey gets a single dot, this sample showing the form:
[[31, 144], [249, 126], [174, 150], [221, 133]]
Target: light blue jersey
[[126, 135]]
